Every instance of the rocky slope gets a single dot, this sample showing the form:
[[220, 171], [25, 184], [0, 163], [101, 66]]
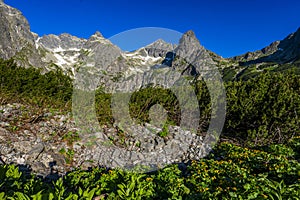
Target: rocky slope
[[281, 52], [48, 144], [278, 56], [272, 48]]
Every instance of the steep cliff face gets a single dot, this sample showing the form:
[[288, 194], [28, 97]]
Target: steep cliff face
[[197, 58], [15, 31], [189, 43]]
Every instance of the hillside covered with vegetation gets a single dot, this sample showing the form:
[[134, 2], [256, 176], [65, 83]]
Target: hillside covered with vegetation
[[257, 157]]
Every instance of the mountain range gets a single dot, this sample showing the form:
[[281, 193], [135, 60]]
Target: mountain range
[[70, 53]]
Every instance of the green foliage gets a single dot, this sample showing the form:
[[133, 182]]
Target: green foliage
[[228, 73], [71, 137], [229, 172], [103, 110], [52, 88], [135, 187], [241, 173], [264, 109], [68, 154], [164, 132], [170, 184], [141, 101]]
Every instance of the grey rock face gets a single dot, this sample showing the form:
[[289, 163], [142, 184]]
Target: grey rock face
[[15, 31], [271, 48], [64, 41], [159, 48], [188, 44], [16, 39], [196, 57]]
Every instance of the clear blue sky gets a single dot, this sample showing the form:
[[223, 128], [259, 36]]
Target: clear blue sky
[[227, 27]]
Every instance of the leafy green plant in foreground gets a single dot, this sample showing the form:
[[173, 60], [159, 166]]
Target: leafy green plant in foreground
[[229, 172]]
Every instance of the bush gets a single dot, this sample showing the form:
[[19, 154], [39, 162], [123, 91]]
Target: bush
[[51, 89], [264, 109]]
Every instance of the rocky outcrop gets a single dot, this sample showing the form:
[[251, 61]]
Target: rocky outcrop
[[15, 31], [159, 48], [188, 43], [194, 59]]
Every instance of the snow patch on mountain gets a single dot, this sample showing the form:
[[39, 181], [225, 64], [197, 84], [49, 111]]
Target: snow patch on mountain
[[141, 59]]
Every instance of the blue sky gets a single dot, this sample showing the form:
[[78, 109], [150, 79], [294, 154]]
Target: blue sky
[[228, 28]]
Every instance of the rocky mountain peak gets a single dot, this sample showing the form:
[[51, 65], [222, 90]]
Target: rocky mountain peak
[[188, 36], [159, 48], [61, 42], [158, 42], [288, 49], [97, 39], [161, 44], [96, 35], [190, 33], [188, 43], [15, 31]]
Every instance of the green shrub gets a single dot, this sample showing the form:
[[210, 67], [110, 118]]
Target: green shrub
[[20, 84], [264, 109]]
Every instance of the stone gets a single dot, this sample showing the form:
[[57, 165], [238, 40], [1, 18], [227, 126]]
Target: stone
[[36, 150]]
